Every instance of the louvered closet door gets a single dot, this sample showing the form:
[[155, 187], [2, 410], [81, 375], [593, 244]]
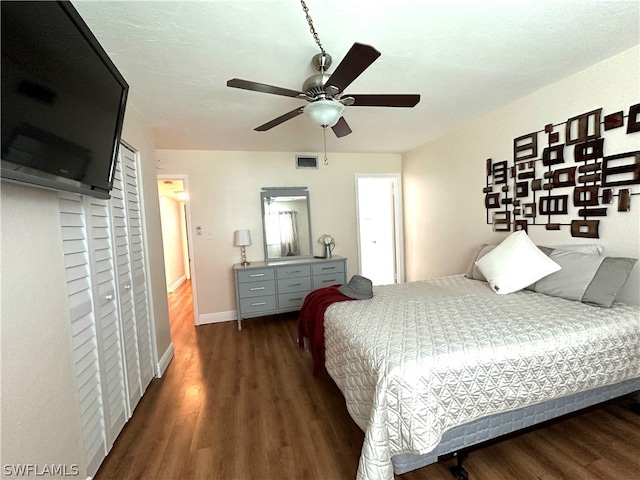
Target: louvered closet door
[[125, 288], [138, 264], [83, 326], [108, 325]]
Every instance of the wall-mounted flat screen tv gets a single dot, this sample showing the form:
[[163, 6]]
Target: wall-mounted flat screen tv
[[63, 100]]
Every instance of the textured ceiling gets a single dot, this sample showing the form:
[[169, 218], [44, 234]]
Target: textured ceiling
[[464, 58]]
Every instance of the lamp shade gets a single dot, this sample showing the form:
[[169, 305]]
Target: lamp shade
[[243, 238], [325, 113]]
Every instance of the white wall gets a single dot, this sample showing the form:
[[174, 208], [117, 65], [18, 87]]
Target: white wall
[[445, 218], [224, 195], [40, 409]]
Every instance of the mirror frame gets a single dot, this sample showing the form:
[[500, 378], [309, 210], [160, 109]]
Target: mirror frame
[[284, 192]]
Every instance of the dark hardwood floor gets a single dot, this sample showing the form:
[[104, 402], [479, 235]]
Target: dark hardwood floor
[[245, 405]]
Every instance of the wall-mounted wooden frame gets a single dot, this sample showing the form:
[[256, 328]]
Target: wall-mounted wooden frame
[[567, 179], [583, 127]]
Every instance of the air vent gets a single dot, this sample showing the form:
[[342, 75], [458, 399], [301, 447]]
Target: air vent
[[303, 161]]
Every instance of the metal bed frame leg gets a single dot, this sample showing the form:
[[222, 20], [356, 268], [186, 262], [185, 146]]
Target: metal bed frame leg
[[459, 471]]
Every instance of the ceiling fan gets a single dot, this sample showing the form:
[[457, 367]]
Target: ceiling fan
[[325, 92]]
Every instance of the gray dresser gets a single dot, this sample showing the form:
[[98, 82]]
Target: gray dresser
[[276, 287]]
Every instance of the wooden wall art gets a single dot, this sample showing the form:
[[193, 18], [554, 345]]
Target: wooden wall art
[[557, 176]]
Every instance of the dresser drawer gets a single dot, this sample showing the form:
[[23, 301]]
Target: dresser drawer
[[255, 275], [328, 279], [291, 300], [293, 271], [289, 285], [267, 289], [327, 267], [257, 304], [256, 289]]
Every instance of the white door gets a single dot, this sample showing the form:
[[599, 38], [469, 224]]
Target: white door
[[107, 320], [379, 228], [125, 285], [108, 300], [80, 288], [138, 265]]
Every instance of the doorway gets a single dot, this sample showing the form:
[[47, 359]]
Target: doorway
[[173, 198], [380, 241]]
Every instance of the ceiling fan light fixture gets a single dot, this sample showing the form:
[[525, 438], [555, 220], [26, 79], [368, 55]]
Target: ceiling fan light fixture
[[325, 113]]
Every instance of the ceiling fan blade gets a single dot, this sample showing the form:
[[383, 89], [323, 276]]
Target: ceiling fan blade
[[356, 61], [383, 100], [262, 87], [341, 129], [281, 119]]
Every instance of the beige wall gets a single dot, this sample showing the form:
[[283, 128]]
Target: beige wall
[[40, 409], [224, 196], [445, 217], [174, 266]]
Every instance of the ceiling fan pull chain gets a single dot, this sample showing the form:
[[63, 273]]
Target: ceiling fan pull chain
[[324, 134], [311, 27]]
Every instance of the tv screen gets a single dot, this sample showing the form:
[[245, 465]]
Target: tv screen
[[63, 100]]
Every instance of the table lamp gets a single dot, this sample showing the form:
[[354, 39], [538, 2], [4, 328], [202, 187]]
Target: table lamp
[[242, 239]]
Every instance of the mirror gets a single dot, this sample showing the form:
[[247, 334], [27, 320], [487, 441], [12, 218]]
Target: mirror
[[286, 223]]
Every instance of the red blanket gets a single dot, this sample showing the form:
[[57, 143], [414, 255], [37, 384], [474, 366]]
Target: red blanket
[[311, 322]]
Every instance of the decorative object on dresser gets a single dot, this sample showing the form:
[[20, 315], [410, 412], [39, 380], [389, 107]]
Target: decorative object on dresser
[[242, 240], [329, 243], [267, 288]]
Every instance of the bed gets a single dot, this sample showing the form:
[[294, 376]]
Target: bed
[[434, 367]]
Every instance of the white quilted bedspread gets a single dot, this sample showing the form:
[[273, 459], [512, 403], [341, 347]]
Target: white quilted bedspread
[[422, 357]]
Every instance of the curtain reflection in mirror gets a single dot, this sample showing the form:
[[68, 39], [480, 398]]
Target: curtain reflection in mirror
[[282, 233], [285, 221], [289, 245]]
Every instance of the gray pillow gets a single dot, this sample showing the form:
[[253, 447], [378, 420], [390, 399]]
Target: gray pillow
[[473, 272], [586, 278]]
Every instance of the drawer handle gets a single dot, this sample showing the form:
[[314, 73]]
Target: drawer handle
[[256, 275], [258, 304], [294, 285], [295, 299], [328, 268], [293, 271], [256, 288], [329, 281]]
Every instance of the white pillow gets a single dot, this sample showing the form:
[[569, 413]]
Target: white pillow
[[515, 263]]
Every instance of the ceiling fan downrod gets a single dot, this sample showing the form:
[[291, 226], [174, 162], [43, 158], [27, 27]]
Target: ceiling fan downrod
[[311, 27]]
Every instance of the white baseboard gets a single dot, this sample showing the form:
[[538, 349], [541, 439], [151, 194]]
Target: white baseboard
[[174, 286], [218, 317], [164, 362]]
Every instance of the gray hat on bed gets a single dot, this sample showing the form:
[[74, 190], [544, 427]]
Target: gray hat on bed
[[358, 287]]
